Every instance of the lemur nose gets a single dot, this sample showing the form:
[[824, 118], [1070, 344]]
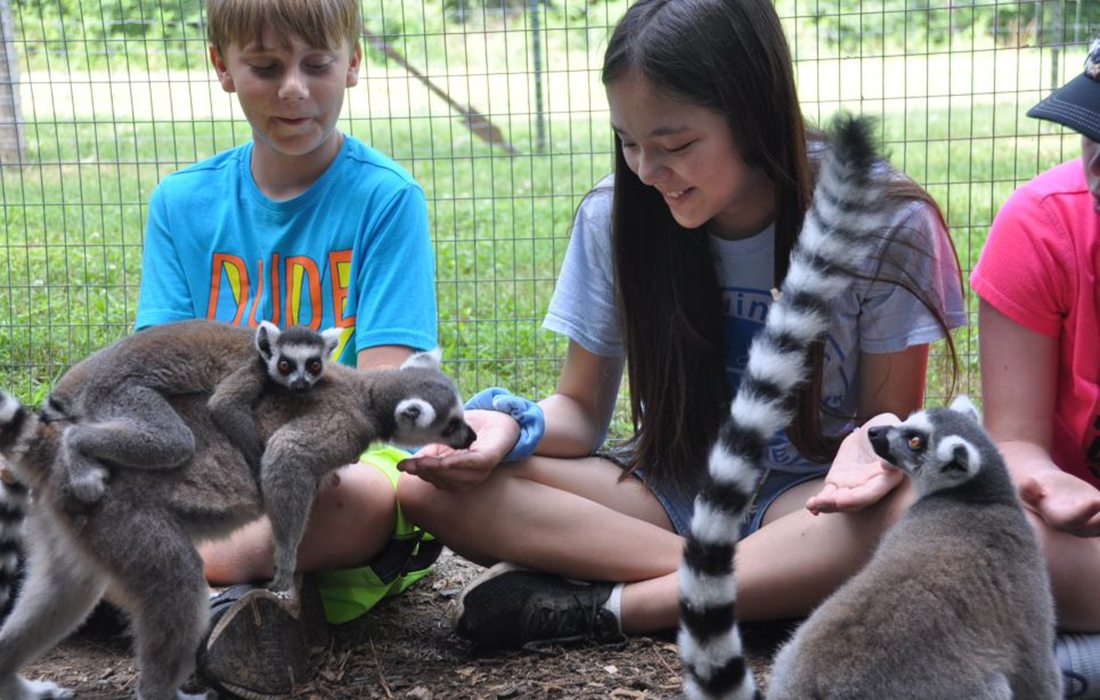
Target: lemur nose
[[878, 435], [470, 437]]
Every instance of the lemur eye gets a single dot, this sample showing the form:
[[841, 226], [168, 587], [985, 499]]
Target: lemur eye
[[314, 366], [916, 442], [284, 366]]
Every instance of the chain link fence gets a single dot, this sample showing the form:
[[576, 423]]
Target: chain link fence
[[495, 106]]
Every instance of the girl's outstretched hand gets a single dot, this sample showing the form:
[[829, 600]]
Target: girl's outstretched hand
[[858, 477], [1063, 501], [450, 469]]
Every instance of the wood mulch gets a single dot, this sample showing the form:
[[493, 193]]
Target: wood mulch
[[405, 649]]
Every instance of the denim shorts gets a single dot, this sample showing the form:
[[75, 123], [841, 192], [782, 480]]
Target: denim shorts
[[679, 506]]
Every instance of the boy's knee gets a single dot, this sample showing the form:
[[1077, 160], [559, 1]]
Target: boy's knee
[[414, 496], [356, 494]]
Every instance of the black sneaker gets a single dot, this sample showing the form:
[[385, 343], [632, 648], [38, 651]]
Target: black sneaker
[[509, 607], [259, 646]]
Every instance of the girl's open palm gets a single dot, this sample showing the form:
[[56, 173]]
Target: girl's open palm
[[448, 468], [858, 477]]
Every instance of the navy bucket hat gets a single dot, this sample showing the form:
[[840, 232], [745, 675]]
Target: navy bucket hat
[[1077, 103]]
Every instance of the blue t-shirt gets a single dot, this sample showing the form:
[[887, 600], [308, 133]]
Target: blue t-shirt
[[872, 317], [352, 251]]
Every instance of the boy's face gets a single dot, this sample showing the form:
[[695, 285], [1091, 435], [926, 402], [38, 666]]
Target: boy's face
[[290, 92]]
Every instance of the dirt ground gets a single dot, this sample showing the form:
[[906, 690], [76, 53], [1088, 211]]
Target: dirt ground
[[405, 649]]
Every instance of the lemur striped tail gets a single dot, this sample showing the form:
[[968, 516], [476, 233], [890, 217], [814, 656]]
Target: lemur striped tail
[[14, 421], [846, 211]]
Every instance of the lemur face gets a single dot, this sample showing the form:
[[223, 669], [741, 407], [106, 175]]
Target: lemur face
[[432, 413], [430, 408], [297, 367], [295, 357], [938, 448]]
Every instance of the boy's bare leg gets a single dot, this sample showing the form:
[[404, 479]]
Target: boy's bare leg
[[351, 521]]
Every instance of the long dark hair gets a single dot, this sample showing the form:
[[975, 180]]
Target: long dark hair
[[730, 56]]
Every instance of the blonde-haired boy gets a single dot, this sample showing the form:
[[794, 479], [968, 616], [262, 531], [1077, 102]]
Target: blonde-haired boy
[[301, 225]]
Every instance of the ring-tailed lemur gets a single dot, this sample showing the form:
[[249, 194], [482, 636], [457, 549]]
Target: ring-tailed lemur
[[13, 504], [138, 535], [845, 214], [955, 602], [294, 358], [105, 391], [116, 401]]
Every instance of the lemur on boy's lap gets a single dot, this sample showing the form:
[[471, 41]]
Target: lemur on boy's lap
[[136, 534]]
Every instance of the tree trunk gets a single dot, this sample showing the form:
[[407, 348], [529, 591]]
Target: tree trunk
[[13, 145]]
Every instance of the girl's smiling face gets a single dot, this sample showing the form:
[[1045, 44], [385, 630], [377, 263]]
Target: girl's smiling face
[[687, 153]]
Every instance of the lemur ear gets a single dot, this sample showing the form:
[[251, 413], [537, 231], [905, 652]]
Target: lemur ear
[[332, 338], [961, 458], [266, 335], [414, 413], [962, 404], [424, 360]]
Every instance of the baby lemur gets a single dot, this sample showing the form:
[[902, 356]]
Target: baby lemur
[[294, 358], [137, 536], [955, 602]]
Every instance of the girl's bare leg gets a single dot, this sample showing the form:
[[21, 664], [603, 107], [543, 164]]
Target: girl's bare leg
[[575, 518]]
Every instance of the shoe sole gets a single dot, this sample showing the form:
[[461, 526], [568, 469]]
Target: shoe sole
[[489, 574], [242, 652]]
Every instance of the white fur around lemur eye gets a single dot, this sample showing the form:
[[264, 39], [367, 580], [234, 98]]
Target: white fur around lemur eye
[[419, 411]]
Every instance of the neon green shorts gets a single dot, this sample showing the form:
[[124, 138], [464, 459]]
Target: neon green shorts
[[408, 557]]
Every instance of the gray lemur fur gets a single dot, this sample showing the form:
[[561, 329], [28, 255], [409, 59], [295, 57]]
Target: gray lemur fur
[[294, 359], [137, 537], [116, 402], [955, 602]]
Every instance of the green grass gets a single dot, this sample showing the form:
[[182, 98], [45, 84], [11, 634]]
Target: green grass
[[70, 247]]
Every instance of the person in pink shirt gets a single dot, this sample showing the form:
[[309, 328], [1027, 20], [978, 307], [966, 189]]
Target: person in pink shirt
[[1039, 323]]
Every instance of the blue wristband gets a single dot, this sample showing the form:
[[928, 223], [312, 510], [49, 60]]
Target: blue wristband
[[527, 413]]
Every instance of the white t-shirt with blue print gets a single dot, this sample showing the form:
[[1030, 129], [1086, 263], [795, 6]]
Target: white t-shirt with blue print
[[872, 317]]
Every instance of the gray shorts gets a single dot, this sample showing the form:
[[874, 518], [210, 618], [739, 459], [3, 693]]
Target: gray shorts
[[679, 506]]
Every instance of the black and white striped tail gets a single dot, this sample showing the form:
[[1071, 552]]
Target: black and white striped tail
[[15, 421], [845, 212]]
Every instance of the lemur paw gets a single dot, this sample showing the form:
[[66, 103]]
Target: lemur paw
[[89, 485], [287, 596], [35, 690]]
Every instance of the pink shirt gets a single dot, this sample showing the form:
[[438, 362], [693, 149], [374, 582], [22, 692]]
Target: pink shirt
[[1039, 269]]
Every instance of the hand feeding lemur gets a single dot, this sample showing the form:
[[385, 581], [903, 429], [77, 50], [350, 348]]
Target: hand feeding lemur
[[845, 214], [137, 537], [955, 602], [294, 359]]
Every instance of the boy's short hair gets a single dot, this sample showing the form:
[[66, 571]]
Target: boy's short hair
[[319, 23]]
